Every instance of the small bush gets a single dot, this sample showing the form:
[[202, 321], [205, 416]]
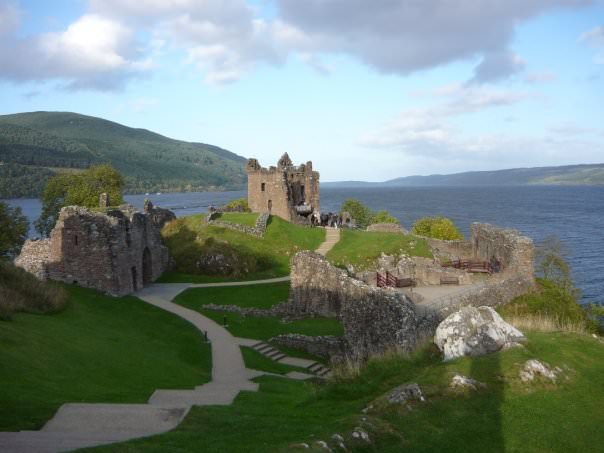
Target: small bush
[[437, 228], [22, 292], [384, 216], [551, 307], [238, 205]]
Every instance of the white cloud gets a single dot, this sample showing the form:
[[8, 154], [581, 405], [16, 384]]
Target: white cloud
[[595, 39], [93, 52]]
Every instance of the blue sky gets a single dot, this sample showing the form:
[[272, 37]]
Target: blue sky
[[368, 90]]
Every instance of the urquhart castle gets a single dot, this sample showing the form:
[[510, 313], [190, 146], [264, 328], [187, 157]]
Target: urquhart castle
[[287, 191]]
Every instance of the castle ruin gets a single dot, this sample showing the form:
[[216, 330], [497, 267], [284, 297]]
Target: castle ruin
[[288, 191], [117, 251]]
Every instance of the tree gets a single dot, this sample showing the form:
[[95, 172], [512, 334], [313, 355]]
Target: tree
[[80, 189], [550, 263], [13, 230], [437, 228], [359, 212]]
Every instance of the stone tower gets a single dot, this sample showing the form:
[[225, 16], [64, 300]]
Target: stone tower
[[288, 191]]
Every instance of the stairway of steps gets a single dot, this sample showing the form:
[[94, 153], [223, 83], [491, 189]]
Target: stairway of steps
[[313, 367]]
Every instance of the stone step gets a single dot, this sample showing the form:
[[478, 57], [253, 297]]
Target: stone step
[[264, 348], [274, 353]]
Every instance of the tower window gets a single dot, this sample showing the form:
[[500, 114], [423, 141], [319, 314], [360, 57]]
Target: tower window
[[75, 239], [263, 187]]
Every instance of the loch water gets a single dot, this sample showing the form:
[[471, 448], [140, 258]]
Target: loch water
[[573, 213]]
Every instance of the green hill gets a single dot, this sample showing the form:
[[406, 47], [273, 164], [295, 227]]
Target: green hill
[[36, 145]]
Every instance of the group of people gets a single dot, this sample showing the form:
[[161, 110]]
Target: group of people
[[326, 220]]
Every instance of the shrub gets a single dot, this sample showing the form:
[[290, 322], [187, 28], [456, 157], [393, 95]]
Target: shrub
[[363, 216], [384, 216], [437, 228], [239, 205], [13, 230], [21, 291]]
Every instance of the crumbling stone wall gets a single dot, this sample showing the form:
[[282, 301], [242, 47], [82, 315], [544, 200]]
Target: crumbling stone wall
[[287, 191], [117, 251], [258, 230], [326, 346], [386, 228], [374, 319], [507, 248]]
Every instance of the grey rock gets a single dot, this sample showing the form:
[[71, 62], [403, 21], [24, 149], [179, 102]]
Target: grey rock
[[474, 332], [459, 381], [406, 393], [533, 368]]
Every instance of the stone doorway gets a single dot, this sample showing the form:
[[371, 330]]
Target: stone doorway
[[147, 267], [134, 278]]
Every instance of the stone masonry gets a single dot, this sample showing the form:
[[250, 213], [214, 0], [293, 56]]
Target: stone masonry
[[374, 319], [117, 251], [288, 191]]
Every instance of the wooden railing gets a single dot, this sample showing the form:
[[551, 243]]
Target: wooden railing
[[388, 279], [471, 266]]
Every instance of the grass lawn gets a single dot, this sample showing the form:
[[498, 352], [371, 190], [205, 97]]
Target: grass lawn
[[242, 218], [265, 328], [255, 327], [188, 238], [362, 248], [259, 296], [99, 349], [256, 361], [506, 416]]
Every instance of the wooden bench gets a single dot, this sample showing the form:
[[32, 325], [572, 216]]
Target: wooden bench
[[449, 280]]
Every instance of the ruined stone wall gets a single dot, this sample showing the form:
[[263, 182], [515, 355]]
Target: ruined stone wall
[[258, 230], [34, 257], [449, 250], [279, 190], [326, 346], [118, 251], [374, 319], [510, 249], [386, 228]]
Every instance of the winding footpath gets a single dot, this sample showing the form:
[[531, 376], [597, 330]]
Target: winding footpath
[[77, 425]]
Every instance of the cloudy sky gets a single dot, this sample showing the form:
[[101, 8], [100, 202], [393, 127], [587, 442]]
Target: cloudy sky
[[367, 89]]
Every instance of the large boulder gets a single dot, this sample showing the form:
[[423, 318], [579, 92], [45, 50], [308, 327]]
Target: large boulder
[[475, 331]]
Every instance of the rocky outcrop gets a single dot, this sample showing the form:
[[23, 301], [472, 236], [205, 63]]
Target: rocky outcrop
[[475, 331], [459, 381]]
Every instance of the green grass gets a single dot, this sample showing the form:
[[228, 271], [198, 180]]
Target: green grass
[[242, 218], [362, 248], [189, 238], [265, 328], [507, 416], [256, 361], [98, 349], [258, 296]]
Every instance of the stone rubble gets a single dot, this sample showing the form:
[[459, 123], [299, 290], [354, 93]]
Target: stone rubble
[[533, 368], [459, 381]]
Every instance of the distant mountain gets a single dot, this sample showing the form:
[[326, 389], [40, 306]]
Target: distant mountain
[[36, 145], [590, 174]]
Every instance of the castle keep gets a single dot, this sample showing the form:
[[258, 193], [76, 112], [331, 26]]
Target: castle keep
[[288, 191], [117, 252]]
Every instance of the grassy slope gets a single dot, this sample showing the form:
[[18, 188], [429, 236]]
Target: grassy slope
[[242, 218], [259, 296], [149, 161], [185, 238], [256, 361], [99, 349], [362, 248], [265, 328], [507, 416]]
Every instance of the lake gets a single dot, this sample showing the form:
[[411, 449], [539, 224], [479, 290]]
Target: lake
[[574, 214]]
